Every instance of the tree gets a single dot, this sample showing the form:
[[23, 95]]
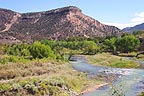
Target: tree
[[127, 43], [110, 45], [38, 50], [90, 48], [50, 43]]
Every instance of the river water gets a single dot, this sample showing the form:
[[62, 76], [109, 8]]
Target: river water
[[128, 82]]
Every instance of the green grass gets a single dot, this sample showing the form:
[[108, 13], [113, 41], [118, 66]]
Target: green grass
[[132, 55], [141, 57], [107, 59]]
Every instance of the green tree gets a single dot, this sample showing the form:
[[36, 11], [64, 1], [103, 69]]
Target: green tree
[[38, 50], [90, 48], [127, 43], [110, 44], [50, 43]]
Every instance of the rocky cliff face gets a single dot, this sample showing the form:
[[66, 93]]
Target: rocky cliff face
[[55, 24]]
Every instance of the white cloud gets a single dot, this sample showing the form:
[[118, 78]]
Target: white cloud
[[138, 19]]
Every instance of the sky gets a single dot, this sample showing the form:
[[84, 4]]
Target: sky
[[120, 13]]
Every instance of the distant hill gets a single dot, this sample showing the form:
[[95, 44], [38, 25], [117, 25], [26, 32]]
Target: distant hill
[[61, 23], [135, 28]]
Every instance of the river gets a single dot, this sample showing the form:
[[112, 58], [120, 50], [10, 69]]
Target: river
[[129, 82]]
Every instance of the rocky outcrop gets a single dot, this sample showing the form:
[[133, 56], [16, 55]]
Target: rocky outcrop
[[61, 23]]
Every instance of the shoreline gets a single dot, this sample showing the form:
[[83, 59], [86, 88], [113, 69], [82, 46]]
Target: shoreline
[[91, 89]]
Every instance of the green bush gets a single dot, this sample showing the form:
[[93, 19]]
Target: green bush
[[4, 60], [5, 87], [17, 50], [13, 59]]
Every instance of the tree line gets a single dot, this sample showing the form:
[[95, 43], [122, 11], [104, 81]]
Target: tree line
[[58, 49]]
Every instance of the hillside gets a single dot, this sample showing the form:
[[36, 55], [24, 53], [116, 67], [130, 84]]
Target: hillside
[[57, 24], [135, 28]]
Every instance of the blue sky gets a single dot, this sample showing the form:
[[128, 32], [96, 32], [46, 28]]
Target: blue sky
[[120, 13]]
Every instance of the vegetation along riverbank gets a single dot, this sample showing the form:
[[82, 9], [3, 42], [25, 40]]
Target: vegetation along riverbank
[[41, 67]]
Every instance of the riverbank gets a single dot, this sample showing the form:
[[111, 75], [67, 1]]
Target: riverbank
[[92, 88], [109, 60]]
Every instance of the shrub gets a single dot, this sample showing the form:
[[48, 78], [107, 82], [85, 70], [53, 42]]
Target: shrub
[[17, 50], [4, 60], [5, 87], [13, 59]]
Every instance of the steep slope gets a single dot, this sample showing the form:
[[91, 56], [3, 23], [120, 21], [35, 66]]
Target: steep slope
[[56, 24], [7, 18], [135, 28]]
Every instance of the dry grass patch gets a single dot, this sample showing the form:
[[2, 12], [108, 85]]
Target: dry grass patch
[[14, 70], [60, 79], [42, 77]]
